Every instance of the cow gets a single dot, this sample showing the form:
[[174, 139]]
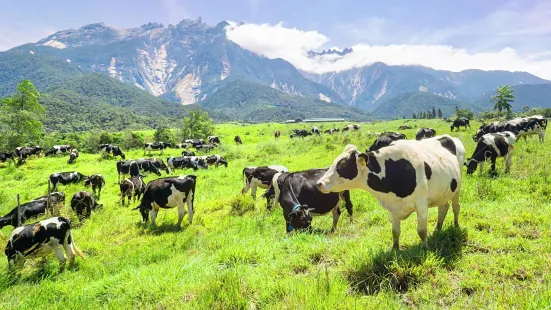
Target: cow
[[491, 146], [83, 203], [237, 140], [262, 176], [300, 199], [423, 133], [65, 178], [97, 181], [277, 133], [385, 139], [133, 187], [315, 130], [301, 133], [40, 239], [148, 165], [125, 167], [6, 155], [23, 152], [193, 142], [186, 162], [213, 140], [58, 149], [351, 127], [111, 149], [168, 193], [157, 162], [205, 147], [156, 146], [521, 127], [186, 153], [31, 209], [73, 156], [462, 121], [216, 160], [405, 177], [331, 131], [404, 127]]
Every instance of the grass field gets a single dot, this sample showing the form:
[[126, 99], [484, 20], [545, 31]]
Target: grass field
[[236, 254]]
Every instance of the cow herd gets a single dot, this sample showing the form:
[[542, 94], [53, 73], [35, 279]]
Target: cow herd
[[405, 176]]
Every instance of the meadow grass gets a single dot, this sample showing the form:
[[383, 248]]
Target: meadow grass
[[236, 254]]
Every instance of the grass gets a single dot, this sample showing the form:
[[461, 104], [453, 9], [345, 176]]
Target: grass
[[236, 254]]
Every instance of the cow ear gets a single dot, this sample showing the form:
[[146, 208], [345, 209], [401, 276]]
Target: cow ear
[[363, 158], [350, 148]]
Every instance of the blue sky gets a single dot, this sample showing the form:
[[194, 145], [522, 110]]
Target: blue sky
[[521, 28]]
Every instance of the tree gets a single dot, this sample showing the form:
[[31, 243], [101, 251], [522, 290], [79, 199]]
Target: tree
[[502, 100], [433, 113], [163, 134], [132, 140], [21, 116], [197, 125], [439, 113], [414, 116], [525, 109]]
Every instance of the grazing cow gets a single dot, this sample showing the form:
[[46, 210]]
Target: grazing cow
[[404, 127], [186, 162], [83, 203], [97, 181], [65, 178], [168, 193], [31, 209], [133, 188], [186, 153], [331, 131], [259, 177], [73, 156], [423, 133], [315, 130], [277, 133], [215, 160], [112, 149], [385, 139], [205, 147], [351, 127], [407, 176], [213, 140], [301, 133], [491, 146], [156, 146], [58, 149], [23, 152], [462, 121], [156, 162], [6, 155], [193, 142], [40, 239], [125, 167], [299, 197], [521, 127], [237, 140]]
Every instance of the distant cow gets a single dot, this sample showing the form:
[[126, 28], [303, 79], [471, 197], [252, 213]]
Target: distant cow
[[301, 133], [31, 209], [193, 142], [216, 160], [490, 147], [58, 149], [83, 203], [65, 178], [462, 121], [300, 199], [520, 127], [186, 162], [125, 167], [404, 127], [186, 153], [6, 156], [23, 152], [331, 131], [40, 239], [423, 133], [213, 140], [168, 193], [73, 156], [97, 182], [351, 127], [205, 147], [156, 146], [385, 139], [277, 133], [133, 188], [315, 130], [157, 162], [111, 149], [237, 140], [262, 176]]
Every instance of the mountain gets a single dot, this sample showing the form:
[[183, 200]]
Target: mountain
[[252, 102], [371, 86], [185, 62], [532, 95], [407, 103]]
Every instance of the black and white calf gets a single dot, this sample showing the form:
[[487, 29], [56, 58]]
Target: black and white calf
[[133, 188], [31, 209], [40, 239], [405, 177], [423, 133], [73, 156], [168, 193], [216, 160], [262, 176], [186, 162], [385, 139], [213, 140], [58, 149], [300, 199], [65, 178], [156, 146], [97, 182], [111, 149], [460, 122], [490, 147], [237, 140], [83, 203]]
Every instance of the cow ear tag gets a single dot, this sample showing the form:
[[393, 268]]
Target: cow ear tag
[[362, 159]]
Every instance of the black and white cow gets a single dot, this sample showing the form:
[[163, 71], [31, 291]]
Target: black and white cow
[[156, 146], [97, 181], [521, 127], [133, 188], [112, 149], [385, 139], [147, 165], [205, 147], [331, 131], [262, 176], [187, 162], [237, 140], [23, 152], [490, 147], [213, 140], [58, 149], [300, 199], [186, 153], [215, 160], [315, 130], [301, 133], [31, 209], [277, 133], [423, 133], [83, 203], [193, 142], [404, 127], [157, 162], [6, 156], [73, 156], [351, 127], [65, 178], [460, 122], [168, 193], [125, 167], [40, 239], [405, 177]]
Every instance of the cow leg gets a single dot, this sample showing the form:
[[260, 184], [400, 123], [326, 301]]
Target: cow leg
[[422, 219], [153, 215], [442, 212], [181, 213], [395, 232], [70, 253], [253, 192], [348, 204], [493, 164], [58, 251], [508, 160], [190, 206], [456, 207], [542, 136], [481, 166], [336, 215]]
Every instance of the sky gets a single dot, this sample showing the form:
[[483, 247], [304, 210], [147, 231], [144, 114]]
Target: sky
[[450, 35]]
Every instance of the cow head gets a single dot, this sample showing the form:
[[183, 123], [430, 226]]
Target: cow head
[[144, 211], [202, 164], [300, 218], [471, 165], [349, 170]]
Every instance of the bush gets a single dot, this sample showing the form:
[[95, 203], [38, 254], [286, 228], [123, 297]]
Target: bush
[[132, 140]]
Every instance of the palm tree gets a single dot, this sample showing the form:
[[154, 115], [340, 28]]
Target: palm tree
[[502, 100]]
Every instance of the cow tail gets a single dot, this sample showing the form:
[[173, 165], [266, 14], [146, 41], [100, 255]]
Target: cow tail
[[244, 181], [75, 248]]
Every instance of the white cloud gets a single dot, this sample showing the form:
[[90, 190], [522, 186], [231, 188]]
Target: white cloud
[[291, 44]]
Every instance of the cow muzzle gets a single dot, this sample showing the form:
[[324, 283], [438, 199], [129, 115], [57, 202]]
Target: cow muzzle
[[322, 188]]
